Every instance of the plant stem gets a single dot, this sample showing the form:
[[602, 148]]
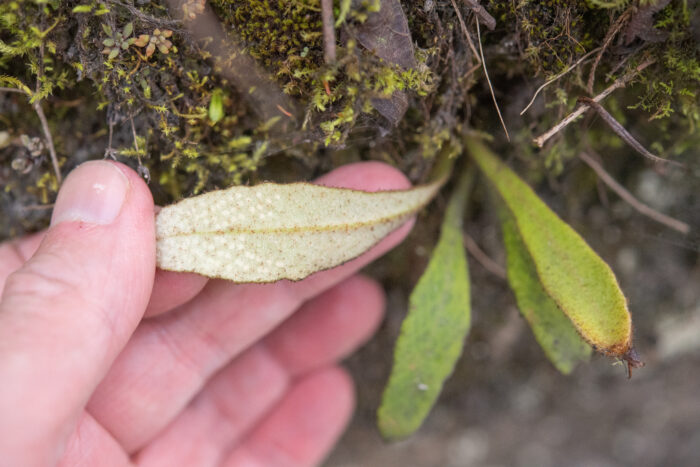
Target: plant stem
[[619, 83], [642, 208]]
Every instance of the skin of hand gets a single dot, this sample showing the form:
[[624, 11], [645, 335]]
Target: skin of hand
[[105, 360]]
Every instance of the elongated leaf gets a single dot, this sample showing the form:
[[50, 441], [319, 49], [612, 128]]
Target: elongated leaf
[[216, 106], [270, 232], [552, 328], [582, 284], [433, 333]]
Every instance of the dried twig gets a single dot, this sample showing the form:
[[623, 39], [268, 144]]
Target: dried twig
[[640, 207], [482, 258], [49, 141], [555, 78], [38, 207], [622, 132], [45, 128], [142, 169], [110, 152], [612, 32], [328, 31], [482, 14], [624, 60], [42, 118], [18, 91], [619, 83], [466, 33], [171, 23], [486, 73]]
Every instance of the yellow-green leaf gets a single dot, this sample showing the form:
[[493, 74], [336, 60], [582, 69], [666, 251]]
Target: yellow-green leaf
[[572, 274], [270, 232], [82, 9], [433, 332], [216, 106], [552, 328], [343, 12]]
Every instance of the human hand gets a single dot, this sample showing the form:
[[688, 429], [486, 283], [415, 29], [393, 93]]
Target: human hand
[[105, 360]]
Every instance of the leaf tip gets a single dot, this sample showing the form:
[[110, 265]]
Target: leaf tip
[[633, 360]]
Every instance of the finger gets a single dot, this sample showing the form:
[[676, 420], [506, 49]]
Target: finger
[[14, 253], [328, 327], [303, 428], [68, 311], [176, 353], [91, 445], [320, 333], [172, 289]]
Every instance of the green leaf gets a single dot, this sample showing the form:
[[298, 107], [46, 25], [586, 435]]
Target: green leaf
[[270, 232], [433, 333], [552, 328], [572, 274], [107, 29], [216, 106], [343, 13], [101, 10], [82, 9], [128, 29], [112, 54]]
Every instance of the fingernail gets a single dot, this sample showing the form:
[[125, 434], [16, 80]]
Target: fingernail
[[93, 193]]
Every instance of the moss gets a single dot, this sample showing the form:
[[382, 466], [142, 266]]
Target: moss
[[130, 82]]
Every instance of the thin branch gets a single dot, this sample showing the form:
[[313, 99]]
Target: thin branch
[[493, 95], [622, 132], [136, 140], [612, 32], [49, 141], [38, 207], [619, 83], [142, 169], [465, 32], [555, 78], [18, 91], [624, 60], [482, 258], [175, 24], [481, 13], [640, 207], [42, 118], [328, 31], [110, 152], [44, 123]]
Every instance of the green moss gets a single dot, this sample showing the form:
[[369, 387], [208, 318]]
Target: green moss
[[130, 82]]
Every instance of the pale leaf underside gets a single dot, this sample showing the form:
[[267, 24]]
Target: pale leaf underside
[[270, 232]]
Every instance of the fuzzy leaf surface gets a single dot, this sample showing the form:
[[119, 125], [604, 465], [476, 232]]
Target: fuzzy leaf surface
[[552, 328], [572, 274], [270, 232], [433, 332]]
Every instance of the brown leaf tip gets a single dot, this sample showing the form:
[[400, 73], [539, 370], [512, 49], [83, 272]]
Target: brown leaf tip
[[631, 357]]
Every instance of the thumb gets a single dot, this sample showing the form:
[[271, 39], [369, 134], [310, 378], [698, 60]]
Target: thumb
[[66, 314]]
